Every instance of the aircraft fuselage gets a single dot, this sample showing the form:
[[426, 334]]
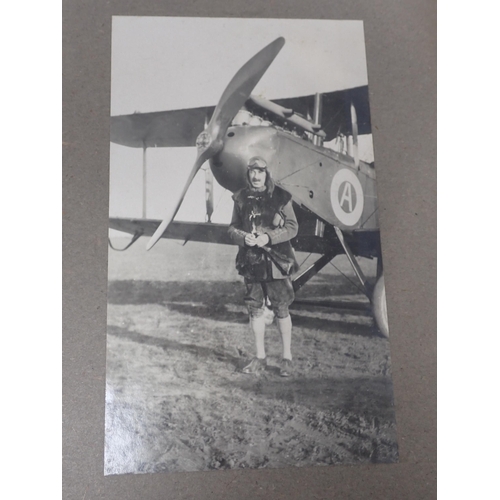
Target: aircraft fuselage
[[325, 182]]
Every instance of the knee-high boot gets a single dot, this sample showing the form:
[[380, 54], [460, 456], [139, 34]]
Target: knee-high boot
[[258, 326], [285, 328]]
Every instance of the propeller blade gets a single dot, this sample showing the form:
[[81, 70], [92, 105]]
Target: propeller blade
[[203, 156], [240, 88], [210, 141]]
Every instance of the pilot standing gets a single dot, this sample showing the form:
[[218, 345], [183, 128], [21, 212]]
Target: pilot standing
[[263, 223]]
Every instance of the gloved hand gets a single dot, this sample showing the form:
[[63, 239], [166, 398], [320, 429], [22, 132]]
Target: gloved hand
[[262, 240], [250, 240]]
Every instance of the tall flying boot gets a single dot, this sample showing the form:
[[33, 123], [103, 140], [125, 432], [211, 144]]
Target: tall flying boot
[[258, 327], [285, 328]]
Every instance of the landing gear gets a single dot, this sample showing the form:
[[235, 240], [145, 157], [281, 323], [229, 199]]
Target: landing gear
[[375, 293]]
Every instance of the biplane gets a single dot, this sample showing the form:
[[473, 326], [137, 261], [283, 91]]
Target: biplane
[[333, 192]]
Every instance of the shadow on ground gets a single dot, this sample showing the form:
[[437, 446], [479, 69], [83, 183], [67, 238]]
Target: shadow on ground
[[169, 345], [334, 326], [356, 394], [210, 300], [138, 292], [369, 396], [225, 292]]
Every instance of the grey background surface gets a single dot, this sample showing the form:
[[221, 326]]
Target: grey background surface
[[401, 54]]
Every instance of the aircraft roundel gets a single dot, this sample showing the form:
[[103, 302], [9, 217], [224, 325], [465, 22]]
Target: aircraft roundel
[[347, 198]]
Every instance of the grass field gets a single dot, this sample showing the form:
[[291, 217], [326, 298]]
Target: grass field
[[176, 399]]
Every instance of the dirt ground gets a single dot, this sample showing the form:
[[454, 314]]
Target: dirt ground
[[176, 399]]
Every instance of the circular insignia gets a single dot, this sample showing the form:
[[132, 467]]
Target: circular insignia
[[346, 194]]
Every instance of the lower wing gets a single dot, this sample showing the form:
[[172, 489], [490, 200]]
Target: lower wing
[[364, 243], [187, 231]]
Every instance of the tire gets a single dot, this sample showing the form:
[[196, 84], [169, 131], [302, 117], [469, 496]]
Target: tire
[[379, 307]]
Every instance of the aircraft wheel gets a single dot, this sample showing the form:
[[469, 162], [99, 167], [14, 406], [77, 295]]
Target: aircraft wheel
[[379, 306]]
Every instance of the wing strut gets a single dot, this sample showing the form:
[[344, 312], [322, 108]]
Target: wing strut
[[318, 116], [354, 123], [209, 193], [144, 180]]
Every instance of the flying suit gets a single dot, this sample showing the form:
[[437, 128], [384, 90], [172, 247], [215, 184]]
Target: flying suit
[[266, 270]]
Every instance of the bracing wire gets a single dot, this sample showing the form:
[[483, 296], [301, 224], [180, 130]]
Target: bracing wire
[[304, 261], [348, 279], [220, 199]]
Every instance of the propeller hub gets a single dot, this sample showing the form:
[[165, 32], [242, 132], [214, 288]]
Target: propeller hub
[[203, 140]]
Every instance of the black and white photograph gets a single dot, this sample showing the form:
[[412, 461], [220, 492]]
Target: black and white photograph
[[247, 324]]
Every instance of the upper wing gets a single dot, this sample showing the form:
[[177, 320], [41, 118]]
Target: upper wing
[[336, 117], [181, 127], [177, 128]]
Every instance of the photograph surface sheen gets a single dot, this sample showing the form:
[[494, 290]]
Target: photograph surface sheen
[[247, 319]]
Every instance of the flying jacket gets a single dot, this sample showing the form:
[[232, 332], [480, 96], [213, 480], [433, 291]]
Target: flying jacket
[[261, 212]]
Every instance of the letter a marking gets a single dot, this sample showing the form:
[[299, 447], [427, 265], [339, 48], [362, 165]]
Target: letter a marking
[[347, 196], [345, 185]]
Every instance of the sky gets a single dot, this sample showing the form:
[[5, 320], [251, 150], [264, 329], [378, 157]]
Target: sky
[[162, 63]]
